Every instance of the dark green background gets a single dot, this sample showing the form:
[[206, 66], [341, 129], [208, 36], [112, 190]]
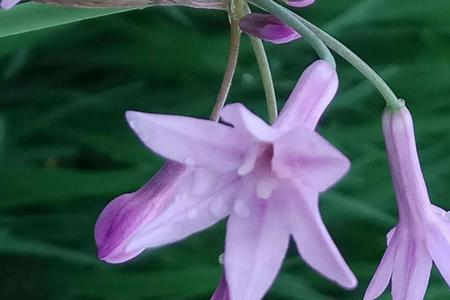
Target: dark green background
[[65, 149]]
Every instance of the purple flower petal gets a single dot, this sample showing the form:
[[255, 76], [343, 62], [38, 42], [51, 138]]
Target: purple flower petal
[[438, 244], [305, 155], [239, 116], [412, 269], [312, 94], [268, 28], [184, 217], [221, 292], [124, 216], [188, 141], [313, 241], [256, 244], [7, 4], [383, 274]]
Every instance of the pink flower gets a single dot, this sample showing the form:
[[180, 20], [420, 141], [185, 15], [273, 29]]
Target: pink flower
[[265, 178], [268, 28], [7, 4], [423, 232]]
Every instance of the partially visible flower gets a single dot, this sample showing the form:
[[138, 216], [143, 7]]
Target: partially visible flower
[[299, 3], [266, 178], [423, 232], [7, 4], [268, 28]]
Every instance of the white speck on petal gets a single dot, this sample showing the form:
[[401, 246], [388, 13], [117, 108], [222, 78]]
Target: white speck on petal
[[246, 168], [446, 215], [265, 187], [132, 124], [192, 214], [217, 207], [249, 162], [221, 259], [241, 209], [189, 161]]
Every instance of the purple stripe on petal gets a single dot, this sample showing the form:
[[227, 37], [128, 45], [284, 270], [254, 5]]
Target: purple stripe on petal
[[268, 28], [221, 292], [124, 215], [412, 269]]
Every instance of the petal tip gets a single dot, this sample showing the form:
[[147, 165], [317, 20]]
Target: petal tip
[[350, 283]]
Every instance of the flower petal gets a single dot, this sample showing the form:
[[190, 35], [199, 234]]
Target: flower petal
[[221, 292], [268, 28], [256, 244], [313, 93], [438, 244], [123, 217], [7, 4], [412, 196], [312, 238], [383, 274], [188, 141], [412, 269], [305, 155], [300, 3], [243, 119], [187, 215]]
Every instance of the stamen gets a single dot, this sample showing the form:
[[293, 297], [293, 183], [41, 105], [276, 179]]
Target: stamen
[[249, 162], [265, 187], [241, 208]]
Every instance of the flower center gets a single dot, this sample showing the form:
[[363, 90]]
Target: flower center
[[257, 166]]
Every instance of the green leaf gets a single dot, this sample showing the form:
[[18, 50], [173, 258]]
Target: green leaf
[[2, 134], [187, 282], [30, 17], [10, 244], [30, 184]]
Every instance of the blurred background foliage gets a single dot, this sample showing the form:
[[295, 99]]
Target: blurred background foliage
[[65, 149]]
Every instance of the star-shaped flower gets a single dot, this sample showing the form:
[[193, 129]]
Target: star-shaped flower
[[267, 179], [423, 232]]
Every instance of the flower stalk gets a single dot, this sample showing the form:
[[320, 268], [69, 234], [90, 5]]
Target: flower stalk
[[393, 102], [233, 54], [266, 76]]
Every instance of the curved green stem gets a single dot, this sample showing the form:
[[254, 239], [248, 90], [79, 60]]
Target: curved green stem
[[266, 76], [290, 19], [235, 38], [389, 96]]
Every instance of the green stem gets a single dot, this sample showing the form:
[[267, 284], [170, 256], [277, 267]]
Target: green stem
[[290, 19], [389, 96], [235, 38], [266, 76]]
